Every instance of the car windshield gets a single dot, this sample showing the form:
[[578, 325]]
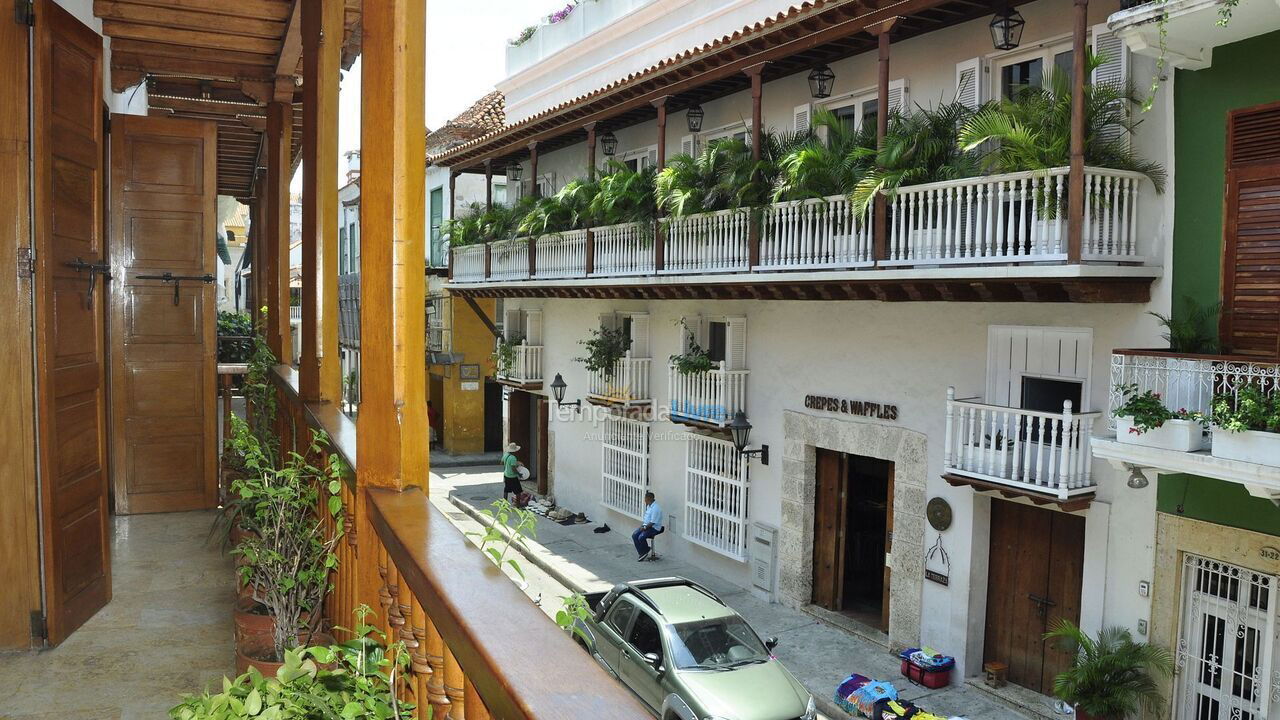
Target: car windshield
[[715, 644]]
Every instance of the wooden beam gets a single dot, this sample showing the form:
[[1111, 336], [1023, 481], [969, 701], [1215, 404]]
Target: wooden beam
[[187, 19], [320, 373], [289, 55], [278, 133], [209, 39], [123, 62], [392, 425], [480, 313], [149, 49], [258, 9]]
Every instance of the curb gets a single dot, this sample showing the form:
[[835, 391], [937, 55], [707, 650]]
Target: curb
[[526, 547]]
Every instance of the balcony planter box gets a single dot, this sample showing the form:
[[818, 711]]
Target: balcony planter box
[[1251, 446], [1176, 435], [990, 460]]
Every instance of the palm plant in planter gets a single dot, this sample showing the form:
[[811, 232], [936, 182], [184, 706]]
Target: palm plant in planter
[[690, 185], [624, 195], [1112, 677], [569, 209], [831, 162]]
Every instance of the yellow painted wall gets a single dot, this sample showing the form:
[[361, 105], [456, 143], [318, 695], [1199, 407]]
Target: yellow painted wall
[[464, 409]]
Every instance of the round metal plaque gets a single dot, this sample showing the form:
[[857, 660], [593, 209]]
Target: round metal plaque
[[939, 513]]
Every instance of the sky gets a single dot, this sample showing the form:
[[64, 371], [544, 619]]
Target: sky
[[466, 57]]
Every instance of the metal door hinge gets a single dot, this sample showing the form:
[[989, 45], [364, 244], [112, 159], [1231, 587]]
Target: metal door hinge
[[24, 12], [39, 628], [26, 261]]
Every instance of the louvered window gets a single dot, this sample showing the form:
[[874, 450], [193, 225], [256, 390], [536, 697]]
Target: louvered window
[[1255, 135], [1251, 252]]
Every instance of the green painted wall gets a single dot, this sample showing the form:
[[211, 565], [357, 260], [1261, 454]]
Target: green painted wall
[[1216, 501], [1243, 74]]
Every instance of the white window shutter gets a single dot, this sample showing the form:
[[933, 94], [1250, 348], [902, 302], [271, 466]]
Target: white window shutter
[[735, 343], [969, 79], [640, 335], [533, 327], [691, 329], [898, 95], [608, 321], [1115, 69], [801, 115], [688, 145], [511, 323]]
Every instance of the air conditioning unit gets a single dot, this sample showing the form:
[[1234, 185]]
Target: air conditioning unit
[[764, 555]]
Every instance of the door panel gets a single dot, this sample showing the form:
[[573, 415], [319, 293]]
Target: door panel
[[162, 370], [70, 350], [1251, 225], [828, 529]]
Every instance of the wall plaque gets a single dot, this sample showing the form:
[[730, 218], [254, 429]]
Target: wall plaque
[[1270, 553], [469, 372], [861, 408]]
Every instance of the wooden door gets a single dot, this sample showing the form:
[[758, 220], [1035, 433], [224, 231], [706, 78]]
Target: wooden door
[[543, 439], [1251, 248], [888, 549], [1034, 578], [164, 414], [829, 529], [70, 345]]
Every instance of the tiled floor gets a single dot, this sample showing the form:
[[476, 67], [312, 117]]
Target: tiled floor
[[167, 631]]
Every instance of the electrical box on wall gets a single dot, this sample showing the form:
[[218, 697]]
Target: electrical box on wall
[[764, 554]]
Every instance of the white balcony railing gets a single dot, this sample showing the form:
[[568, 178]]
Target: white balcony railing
[[1014, 217], [468, 263], [1039, 451], [295, 313], [562, 255], [1187, 381], [509, 260], [708, 243], [527, 366], [625, 249], [812, 234], [710, 397], [627, 384]]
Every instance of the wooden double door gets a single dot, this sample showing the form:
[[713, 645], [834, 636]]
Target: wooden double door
[[853, 536], [527, 427], [1034, 578]]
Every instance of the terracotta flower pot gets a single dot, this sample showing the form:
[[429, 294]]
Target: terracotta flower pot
[[237, 534], [253, 623], [261, 655]]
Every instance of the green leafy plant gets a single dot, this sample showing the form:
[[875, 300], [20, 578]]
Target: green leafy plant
[[511, 524], [571, 616], [694, 359], [477, 224], [504, 353], [1250, 408], [1148, 410], [289, 554], [235, 337], [605, 348], [356, 679], [921, 146], [524, 36], [1194, 330], [624, 195], [831, 162], [1111, 676], [351, 388], [1032, 131], [726, 174], [568, 209]]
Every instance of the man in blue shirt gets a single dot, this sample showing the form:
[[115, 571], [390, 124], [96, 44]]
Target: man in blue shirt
[[651, 526]]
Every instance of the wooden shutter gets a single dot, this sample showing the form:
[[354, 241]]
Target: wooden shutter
[[735, 343], [688, 145], [511, 323], [1114, 71], [801, 116], [1251, 248], [533, 327], [969, 80], [898, 95], [639, 335]]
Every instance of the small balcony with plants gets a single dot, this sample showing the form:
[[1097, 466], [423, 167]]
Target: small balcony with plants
[[707, 382], [1192, 409], [616, 355]]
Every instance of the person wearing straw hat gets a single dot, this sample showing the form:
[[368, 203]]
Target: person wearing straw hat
[[511, 471]]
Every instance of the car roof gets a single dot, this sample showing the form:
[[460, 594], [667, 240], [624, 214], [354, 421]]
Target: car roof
[[685, 603]]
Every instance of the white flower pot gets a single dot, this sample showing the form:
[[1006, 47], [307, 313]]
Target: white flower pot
[[1177, 435], [1251, 446]]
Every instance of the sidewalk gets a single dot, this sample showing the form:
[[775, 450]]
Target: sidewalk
[[819, 655]]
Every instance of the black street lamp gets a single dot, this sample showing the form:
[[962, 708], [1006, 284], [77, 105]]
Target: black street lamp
[[609, 143], [694, 116], [821, 80], [558, 386], [1006, 29], [740, 431]]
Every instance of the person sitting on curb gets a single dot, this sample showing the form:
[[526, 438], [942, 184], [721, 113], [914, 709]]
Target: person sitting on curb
[[511, 473], [651, 526]]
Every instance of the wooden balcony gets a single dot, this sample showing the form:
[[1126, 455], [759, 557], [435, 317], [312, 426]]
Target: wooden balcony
[[1041, 455]]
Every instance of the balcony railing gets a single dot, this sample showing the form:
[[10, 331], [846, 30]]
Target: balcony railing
[[295, 313], [349, 310], [710, 397], [1039, 451], [995, 220], [527, 366], [561, 255], [627, 384], [1187, 381]]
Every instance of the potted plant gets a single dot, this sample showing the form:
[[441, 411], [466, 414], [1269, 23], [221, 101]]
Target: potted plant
[[1246, 426], [694, 359], [605, 350], [288, 559], [504, 353], [1144, 420], [1112, 677], [357, 679]]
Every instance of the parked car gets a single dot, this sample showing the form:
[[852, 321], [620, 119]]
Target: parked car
[[688, 656]]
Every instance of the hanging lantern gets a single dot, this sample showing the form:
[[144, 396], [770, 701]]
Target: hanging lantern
[[609, 143], [821, 79], [1006, 29], [694, 116], [514, 172]]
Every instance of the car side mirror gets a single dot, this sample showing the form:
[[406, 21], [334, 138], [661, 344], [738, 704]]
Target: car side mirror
[[771, 643], [653, 660]]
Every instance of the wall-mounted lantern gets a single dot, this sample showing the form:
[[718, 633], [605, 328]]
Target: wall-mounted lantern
[[740, 431], [558, 386]]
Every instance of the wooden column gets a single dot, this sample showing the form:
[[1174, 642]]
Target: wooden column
[[391, 437], [1075, 176], [488, 186], [320, 377], [253, 295], [591, 150], [279, 131], [880, 230], [661, 105], [453, 193], [755, 72], [533, 169]]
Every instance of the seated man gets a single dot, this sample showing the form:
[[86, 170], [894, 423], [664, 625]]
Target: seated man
[[651, 526]]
